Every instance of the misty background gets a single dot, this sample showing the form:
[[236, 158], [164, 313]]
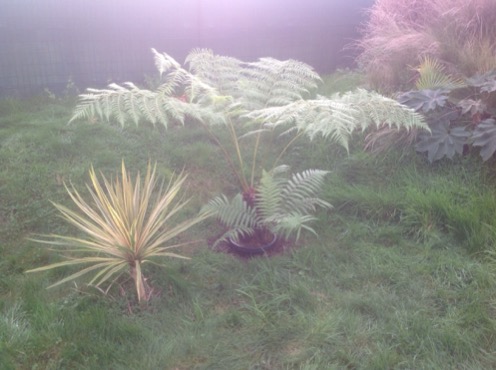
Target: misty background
[[46, 43]]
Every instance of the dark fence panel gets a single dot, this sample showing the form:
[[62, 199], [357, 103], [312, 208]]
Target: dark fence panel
[[47, 43]]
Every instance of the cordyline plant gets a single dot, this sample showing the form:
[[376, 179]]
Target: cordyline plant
[[127, 224], [249, 100]]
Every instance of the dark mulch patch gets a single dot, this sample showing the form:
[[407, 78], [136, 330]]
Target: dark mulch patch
[[280, 246]]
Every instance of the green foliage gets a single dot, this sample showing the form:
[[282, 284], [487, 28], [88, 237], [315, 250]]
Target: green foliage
[[447, 115], [424, 100], [127, 226], [486, 82], [485, 136], [281, 206], [249, 100], [443, 141]]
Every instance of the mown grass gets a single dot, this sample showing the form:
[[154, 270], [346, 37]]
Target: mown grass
[[399, 277]]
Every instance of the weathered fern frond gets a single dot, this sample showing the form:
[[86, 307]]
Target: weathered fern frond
[[181, 94], [220, 72], [267, 82], [432, 76]]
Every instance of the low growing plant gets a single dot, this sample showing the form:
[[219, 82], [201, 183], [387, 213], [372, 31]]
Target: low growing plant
[[280, 206], [248, 101], [128, 224], [460, 114]]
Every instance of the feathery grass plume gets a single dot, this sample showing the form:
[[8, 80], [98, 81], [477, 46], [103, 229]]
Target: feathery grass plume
[[402, 33], [127, 224]]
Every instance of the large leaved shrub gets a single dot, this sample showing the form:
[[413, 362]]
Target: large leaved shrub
[[460, 113]]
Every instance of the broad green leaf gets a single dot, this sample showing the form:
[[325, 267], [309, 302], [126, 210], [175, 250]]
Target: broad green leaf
[[485, 137]]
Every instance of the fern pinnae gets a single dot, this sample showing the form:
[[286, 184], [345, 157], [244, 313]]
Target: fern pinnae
[[132, 105], [164, 62], [268, 197]]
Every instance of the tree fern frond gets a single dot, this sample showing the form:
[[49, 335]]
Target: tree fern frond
[[218, 71], [325, 117], [233, 214], [300, 191], [272, 82], [164, 62], [268, 197], [338, 117], [294, 223]]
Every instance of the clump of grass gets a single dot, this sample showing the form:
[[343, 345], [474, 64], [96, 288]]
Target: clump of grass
[[429, 203]]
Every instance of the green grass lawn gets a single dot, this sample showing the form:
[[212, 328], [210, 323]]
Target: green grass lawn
[[400, 277]]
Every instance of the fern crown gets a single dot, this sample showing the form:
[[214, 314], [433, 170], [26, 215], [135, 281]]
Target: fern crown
[[282, 205]]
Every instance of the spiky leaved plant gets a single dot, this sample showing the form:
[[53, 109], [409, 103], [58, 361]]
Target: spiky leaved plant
[[248, 100], [127, 224]]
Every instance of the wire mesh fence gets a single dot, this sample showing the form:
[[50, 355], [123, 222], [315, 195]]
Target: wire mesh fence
[[49, 44]]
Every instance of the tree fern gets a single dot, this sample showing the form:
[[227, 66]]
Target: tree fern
[[266, 94]]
